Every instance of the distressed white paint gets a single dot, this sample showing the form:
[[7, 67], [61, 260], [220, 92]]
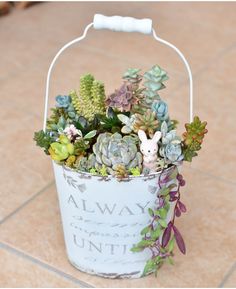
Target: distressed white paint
[[102, 220]]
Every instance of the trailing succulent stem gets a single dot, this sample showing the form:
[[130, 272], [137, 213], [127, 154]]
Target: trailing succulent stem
[[159, 236]]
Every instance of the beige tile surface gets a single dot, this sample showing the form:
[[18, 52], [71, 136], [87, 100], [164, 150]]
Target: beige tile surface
[[23, 273], [24, 172], [204, 229], [214, 102]]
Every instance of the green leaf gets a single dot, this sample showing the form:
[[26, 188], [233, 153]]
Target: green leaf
[[173, 174], [149, 267], [136, 249], [150, 211], [163, 223], [145, 230], [167, 207], [167, 198], [172, 186], [162, 213], [156, 233], [171, 244], [144, 243], [164, 191], [170, 260], [90, 134]]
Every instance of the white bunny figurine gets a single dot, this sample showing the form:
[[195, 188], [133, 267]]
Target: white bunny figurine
[[149, 149]]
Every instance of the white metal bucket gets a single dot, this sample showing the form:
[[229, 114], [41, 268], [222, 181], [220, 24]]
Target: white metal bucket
[[102, 220]]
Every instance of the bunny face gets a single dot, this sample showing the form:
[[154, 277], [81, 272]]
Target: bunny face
[[149, 147]]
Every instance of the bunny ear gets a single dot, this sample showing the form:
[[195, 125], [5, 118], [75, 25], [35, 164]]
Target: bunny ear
[[157, 136], [142, 135]]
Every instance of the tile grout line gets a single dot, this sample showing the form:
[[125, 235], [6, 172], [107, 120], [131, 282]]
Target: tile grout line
[[45, 265], [226, 277], [26, 202]]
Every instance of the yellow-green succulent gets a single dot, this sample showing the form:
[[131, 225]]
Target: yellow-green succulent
[[61, 150]]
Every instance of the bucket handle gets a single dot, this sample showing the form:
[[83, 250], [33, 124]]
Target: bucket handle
[[124, 24]]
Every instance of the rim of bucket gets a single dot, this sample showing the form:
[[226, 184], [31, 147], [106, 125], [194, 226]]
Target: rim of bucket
[[129, 178]]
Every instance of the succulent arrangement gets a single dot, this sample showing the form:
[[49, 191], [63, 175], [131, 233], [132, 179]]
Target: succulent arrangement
[[92, 131], [126, 133]]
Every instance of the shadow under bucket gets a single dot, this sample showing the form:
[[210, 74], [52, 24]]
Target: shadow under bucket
[[103, 217]]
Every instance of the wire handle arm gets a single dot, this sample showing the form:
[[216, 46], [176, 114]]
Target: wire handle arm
[[125, 24], [188, 70]]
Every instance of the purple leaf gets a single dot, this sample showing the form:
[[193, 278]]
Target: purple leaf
[[166, 235], [179, 240], [182, 207], [179, 177], [177, 211], [182, 183], [164, 180], [173, 193], [172, 199]]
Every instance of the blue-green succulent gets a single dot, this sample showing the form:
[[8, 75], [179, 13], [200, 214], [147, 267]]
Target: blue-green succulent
[[153, 81], [63, 101], [173, 152], [161, 110], [170, 148]]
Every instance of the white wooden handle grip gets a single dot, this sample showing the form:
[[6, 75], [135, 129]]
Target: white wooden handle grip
[[124, 24]]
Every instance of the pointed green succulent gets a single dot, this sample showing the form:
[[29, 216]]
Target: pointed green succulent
[[135, 171], [91, 98], [98, 97], [43, 140], [193, 137]]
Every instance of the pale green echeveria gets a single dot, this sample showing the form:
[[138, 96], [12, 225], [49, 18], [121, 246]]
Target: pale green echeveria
[[161, 110], [173, 152], [131, 73], [112, 150], [154, 81], [128, 123], [170, 148]]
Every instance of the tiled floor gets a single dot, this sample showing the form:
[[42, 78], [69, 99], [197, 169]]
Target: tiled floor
[[32, 249]]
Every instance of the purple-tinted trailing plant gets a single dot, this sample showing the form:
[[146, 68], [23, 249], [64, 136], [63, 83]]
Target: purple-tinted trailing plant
[[159, 236]]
